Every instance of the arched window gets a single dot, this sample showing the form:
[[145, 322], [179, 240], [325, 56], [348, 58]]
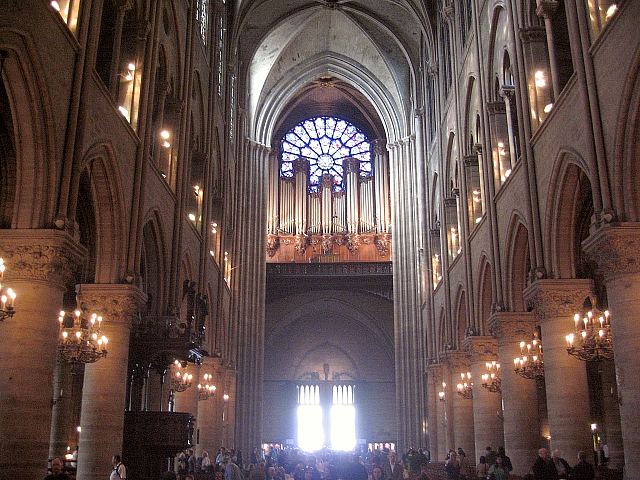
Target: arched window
[[326, 142], [202, 16]]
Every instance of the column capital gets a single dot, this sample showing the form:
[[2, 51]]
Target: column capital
[[435, 373], [533, 35], [117, 303], [507, 92], [481, 348], [456, 360], [615, 248], [50, 256], [562, 297], [510, 327], [496, 108], [547, 8]]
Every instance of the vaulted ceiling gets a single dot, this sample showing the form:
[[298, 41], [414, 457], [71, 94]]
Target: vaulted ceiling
[[374, 47]]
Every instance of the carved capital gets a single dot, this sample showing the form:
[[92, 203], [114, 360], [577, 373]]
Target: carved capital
[[510, 327], [435, 375], [383, 243], [470, 160], [508, 92], [50, 256], [547, 8], [378, 147], [555, 298], [533, 35], [301, 243], [615, 248], [496, 108], [273, 243], [117, 303], [481, 348], [432, 69], [457, 361]]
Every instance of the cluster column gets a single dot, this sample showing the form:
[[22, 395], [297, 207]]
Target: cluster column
[[104, 391], [40, 264], [616, 251], [519, 395], [555, 302], [462, 408], [487, 406], [434, 386]]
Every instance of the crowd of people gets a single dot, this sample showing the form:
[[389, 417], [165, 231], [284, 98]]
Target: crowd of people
[[374, 464]]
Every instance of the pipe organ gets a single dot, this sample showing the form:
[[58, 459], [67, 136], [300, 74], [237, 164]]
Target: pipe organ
[[328, 195]]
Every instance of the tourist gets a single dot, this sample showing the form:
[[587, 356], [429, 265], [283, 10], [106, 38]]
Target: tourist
[[56, 471], [392, 468], [497, 471], [205, 464], [119, 470], [491, 455], [544, 468], [562, 467], [452, 465], [482, 468], [376, 473], [466, 471], [583, 469], [231, 470], [506, 461], [423, 472]]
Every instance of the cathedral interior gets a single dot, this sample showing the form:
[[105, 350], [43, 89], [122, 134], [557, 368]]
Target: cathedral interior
[[318, 224]]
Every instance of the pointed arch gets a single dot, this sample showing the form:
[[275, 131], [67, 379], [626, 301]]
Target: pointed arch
[[485, 294], [33, 136], [462, 319], [152, 263], [518, 262], [111, 245], [569, 196]]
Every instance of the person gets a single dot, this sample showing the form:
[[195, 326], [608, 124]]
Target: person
[[490, 455], [191, 462], [206, 462], [544, 468], [562, 467], [119, 470], [392, 468], [423, 471], [466, 472], [231, 470], [376, 473], [220, 455], [497, 471], [258, 472], [482, 468], [452, 465], [56, 471], [583, 469], [506, 461]]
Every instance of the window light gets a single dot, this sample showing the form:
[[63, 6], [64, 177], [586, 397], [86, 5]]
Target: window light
[[611, 11], [55, 5]]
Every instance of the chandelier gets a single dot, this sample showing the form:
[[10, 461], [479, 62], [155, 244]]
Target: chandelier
[[491, 380], [591, 340], [7, 296], [80, 339], [441, 393], [181, 380], [530, 363], [465, 387], [206, 390]]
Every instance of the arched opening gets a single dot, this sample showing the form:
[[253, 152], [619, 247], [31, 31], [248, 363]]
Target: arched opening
[[520, 266], [485, 296], [462, 321], [7, 160]]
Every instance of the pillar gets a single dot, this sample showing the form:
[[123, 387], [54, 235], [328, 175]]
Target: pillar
[[462, 408], [487, 406], [61, 409], [40, 264], [612, 428], [555, 302], [434, 385], [105, 386], [519, 395], [615, 250], [209, 436]]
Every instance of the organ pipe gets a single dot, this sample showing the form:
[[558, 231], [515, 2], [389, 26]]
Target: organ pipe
[[366, 205], [351, 169], [327, 209], [315, 209], [301, 169], [287, 201], [339, 213], [272, 220]]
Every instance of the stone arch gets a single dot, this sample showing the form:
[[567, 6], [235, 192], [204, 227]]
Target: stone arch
[[461, 316], [111, 233], [152, 264], [568, 197], [518, 263], [485, 294], [33, 138], [442, 332], [499, 43], [626, 173], [344, 360]]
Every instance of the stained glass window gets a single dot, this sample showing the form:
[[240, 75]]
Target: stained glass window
[[325, 142]]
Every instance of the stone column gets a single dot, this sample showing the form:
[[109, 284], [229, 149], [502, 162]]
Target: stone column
[[105, 382], [434, 385], [555, 302], [61, 409], [487, 406], [616, 251], [462, 408], [519, 395], [40, 264], [209, 436], [612, 428]]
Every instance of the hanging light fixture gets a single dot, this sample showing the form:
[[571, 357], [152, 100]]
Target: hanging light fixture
[[181, 380], [206, 390], [7, 296], [530, 363], [465, 387], [491, 380], [591, 339], [80, 339], [441, 393]]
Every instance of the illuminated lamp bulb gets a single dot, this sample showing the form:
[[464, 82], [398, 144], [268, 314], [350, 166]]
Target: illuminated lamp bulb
[[611, 11], [165, 134], [548, 107], [55, 5]]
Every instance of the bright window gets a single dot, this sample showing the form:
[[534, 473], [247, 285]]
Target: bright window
[[326, 142], [310, 430], [343, 419]]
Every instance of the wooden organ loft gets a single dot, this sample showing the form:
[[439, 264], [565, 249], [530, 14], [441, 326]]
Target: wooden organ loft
[[328, 196]]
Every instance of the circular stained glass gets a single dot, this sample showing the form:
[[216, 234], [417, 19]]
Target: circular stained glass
[[325, 142]]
